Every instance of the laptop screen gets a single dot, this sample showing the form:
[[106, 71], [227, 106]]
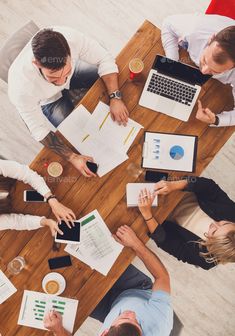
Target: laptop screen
[[179, 71]]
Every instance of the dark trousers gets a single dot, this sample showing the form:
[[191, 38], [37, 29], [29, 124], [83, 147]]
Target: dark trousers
[[84, 77], [132, 278]]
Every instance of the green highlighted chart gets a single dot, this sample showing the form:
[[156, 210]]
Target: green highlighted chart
[[36, 305]]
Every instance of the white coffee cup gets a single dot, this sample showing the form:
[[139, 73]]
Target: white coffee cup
[[53, 283]]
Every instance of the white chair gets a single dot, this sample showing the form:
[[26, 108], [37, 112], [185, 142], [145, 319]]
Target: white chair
[[13, 47]]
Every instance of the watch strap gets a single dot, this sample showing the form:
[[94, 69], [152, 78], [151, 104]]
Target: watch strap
[[50, 197]]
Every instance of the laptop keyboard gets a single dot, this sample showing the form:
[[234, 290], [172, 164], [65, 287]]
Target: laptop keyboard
[[171, 89]]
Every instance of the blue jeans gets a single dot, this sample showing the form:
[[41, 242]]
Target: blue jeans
[[84, 77], [132, 278]]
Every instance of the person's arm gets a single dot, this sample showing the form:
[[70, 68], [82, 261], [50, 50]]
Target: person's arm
[[175, 28], [27, 222], [127, 237], [145, 202], [53, 322], [23, 173], [92, 52], [118, 109], [180, 243], [53, 142]]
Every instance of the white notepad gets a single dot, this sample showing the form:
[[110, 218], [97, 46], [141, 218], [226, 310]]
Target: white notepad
[[133, 191]]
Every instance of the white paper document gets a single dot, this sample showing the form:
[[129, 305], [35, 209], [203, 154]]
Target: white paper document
[[133, 191], [97, 248], [7, 289], [36, 305], [169, 151], [98, 136]]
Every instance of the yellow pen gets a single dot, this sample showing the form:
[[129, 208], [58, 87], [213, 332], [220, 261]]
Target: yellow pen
[[101, 125], [128, 136]]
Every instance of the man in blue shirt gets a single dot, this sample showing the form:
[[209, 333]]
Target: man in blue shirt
[[144, 309]]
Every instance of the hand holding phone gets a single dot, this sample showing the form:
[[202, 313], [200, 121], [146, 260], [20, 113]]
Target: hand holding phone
[[92, 166]]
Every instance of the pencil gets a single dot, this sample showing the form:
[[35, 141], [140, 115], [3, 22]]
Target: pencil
[[101, 125], [85, 137], [128, 136]]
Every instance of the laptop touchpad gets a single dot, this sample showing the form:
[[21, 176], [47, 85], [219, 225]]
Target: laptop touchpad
[[165, 105]]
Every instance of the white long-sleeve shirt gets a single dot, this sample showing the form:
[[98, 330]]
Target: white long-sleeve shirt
[[23, 173], [196, 30], [28, 90]]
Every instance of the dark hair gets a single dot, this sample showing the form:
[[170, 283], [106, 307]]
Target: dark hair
[[226, 40], [5, 186], [50, 49], [124, 329]]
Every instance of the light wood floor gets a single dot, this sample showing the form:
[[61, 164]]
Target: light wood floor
[[204, 300]]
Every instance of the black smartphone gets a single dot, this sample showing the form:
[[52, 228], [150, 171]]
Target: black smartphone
[[33, 196], [59, 262], [155, 176], [92, 166], [70, 235]]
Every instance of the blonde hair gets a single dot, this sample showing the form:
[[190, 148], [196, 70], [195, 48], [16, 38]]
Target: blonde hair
[[221, 249]]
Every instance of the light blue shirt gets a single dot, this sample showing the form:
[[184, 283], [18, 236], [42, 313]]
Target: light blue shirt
[[153, 311]]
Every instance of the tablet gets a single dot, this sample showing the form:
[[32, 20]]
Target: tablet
[[70, 236]]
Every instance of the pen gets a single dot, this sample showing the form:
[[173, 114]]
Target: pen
[[101, 125], [128, 136]]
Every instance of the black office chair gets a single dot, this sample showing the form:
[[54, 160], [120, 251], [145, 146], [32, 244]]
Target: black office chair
[[177, 326]]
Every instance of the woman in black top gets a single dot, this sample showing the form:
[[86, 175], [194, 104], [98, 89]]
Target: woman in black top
[[218, 247]]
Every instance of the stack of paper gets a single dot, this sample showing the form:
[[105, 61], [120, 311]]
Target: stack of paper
[[6, 288], [133, 191], [36, 305], [97, 248], [97, 135]]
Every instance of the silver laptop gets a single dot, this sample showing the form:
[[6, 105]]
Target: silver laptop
[[172, 88]]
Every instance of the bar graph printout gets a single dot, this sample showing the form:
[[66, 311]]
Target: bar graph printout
[[36, 305]]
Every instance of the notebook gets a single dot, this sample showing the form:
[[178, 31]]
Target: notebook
[[133, 191]]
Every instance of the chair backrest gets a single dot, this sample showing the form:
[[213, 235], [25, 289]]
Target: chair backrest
[[222, 7], [13, 47]]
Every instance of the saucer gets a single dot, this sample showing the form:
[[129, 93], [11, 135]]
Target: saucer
[[56, 277]]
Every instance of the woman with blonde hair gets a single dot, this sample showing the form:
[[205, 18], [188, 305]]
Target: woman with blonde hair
[[201, 229], [11, 171]]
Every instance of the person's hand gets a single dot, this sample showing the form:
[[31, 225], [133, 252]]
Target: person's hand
[[79, 162], [53, 226], [127, 237], [164, 187], [205, 114], [119, 111], [53, 322], [145, 202], [61, 212]]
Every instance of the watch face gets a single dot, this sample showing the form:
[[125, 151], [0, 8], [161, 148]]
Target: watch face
[[118, 94]]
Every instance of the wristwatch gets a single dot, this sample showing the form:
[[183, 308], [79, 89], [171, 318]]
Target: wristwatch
[[216, 123], [116, 94], [50, 197]]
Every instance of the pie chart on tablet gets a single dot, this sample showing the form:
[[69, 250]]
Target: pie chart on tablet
[[176, 152]]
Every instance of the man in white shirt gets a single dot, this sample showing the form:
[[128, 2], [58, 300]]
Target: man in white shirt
[[140, 309], [209, 40], [54, 61]]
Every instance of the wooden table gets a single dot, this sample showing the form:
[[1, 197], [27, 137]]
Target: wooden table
[[107, 194]]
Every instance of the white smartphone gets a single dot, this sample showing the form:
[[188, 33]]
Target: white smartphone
[[70, 236], [33, 196]]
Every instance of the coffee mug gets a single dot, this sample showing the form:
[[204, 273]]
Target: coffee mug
[[53, 283], [136, 66]]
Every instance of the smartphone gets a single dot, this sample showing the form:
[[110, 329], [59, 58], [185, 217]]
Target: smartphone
[[33, 196], [59, 262], [154, 176], [92, 166], [70, 235]]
